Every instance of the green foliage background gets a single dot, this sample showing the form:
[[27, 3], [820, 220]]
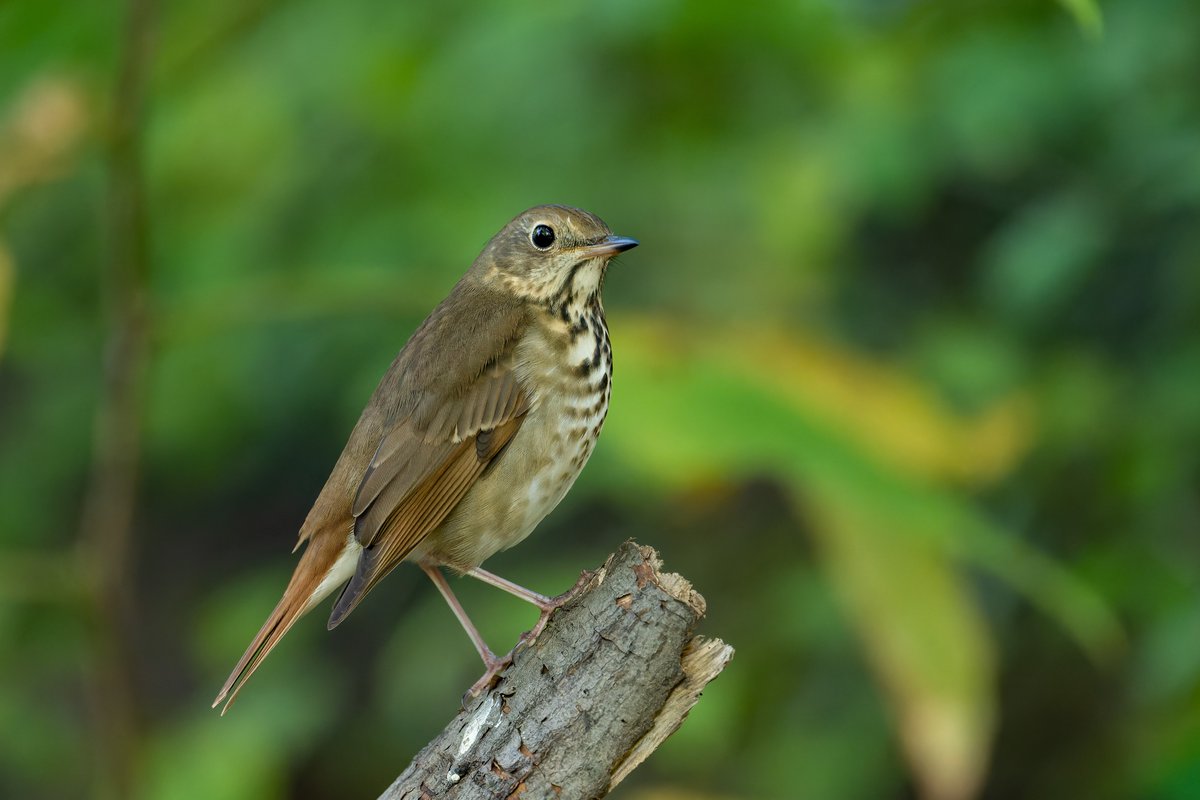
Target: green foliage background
[[907, 381]]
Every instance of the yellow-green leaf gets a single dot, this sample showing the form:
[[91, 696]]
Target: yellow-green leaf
[[924, 638], [1087, 14]]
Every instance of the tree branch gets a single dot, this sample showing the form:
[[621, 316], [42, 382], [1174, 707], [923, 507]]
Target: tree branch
[[614, 673]]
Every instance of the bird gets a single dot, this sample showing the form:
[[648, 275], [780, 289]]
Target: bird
[[478, 428]]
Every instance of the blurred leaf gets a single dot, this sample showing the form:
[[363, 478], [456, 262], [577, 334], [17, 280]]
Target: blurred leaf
[[1087, 14], [972, 362], [926, 641], [884, 411], [825, 392], [40, 134], [1034, 263]]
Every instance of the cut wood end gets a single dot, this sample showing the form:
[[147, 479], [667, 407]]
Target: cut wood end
[[702, 660], [672, 583], [681, 589]]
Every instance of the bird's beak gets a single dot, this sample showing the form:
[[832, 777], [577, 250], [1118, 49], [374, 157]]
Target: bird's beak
[[608, 246]]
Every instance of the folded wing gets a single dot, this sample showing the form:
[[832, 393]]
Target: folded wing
[[423, 467]]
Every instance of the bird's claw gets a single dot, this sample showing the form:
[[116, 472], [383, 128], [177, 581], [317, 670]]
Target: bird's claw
[[489, 678]]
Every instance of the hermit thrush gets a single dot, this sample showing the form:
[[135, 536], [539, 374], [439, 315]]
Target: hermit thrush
[[477, 430]]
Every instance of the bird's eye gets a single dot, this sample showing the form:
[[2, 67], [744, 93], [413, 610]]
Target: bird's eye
[[542, 237]]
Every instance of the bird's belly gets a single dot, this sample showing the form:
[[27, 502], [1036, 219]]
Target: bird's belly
[[524, 484], [570, 441]]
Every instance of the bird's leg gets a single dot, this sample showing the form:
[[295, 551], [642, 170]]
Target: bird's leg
[[492, 663], [547, 605], [516, 590]]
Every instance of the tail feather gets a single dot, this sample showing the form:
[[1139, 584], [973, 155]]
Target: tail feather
[[278, 623], [320, 571], [362, 581]]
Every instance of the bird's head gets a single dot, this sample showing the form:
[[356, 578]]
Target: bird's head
[[551, 254]]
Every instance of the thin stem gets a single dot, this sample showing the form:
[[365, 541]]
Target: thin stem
[[106, 524]]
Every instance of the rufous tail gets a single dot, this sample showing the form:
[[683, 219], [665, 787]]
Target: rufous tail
[[320, 571]]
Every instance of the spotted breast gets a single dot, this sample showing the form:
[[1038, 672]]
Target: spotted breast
[[566, 356]]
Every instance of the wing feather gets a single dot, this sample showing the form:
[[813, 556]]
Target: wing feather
[[420, 511], [425, 464]]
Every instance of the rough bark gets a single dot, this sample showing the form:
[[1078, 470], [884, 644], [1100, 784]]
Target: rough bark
[[614, 673]]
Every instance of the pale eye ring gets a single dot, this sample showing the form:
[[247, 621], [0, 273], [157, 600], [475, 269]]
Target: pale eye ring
[[542, 237]]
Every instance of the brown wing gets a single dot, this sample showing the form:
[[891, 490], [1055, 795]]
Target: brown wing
[[424, 466], [444, 410], [435, 429]]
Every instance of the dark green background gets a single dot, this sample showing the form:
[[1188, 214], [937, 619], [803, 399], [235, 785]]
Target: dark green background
[[907, 378]]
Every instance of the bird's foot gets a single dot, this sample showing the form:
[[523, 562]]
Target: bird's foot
[[491, 675], [549, 605], [495, 665]]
